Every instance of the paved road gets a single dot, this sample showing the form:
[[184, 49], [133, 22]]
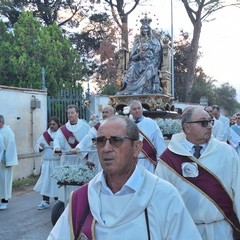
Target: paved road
[[22, 221]]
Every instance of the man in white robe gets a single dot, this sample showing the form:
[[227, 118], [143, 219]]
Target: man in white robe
[[7, 161], [127, 201], [86, 146], [153, 133], [67, 138], [46, 184], [224, 120], [217, 157], [234, 134], [218, 130], [77, 128]]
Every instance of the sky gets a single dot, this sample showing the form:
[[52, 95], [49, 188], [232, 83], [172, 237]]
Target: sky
[[219, 41]]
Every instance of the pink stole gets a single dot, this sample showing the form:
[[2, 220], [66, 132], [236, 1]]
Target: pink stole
[[47, 138], [82, 218], [207, 183], [148, 149], [71, 139]]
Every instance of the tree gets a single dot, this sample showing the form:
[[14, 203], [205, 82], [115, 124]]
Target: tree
[[108, 68], [47, 11], [93, 33], [225, 96], [11, 10], [203, 86], [199, 11], [31, 46], [120, 10], [181, 48]]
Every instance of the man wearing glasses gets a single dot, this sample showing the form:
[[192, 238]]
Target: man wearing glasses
[[124, 200], [207, 174]]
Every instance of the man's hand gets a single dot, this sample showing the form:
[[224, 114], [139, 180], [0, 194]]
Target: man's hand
[[74, 150]]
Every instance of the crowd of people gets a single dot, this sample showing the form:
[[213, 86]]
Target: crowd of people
[[143, 189]]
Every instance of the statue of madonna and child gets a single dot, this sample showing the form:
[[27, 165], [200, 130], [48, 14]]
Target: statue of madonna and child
[[142, 76]]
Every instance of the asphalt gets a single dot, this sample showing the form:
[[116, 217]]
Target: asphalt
[[22, 221]]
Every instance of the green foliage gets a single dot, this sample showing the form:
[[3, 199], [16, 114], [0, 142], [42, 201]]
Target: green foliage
[[182, 48], [225, 96], [203, 86], [46, 11], [23, 182], [238, 105], [11, 10], [89, 40], [32, 46], [109, 89]]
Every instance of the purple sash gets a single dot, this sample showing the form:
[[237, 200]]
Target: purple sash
[[207, 183], [148, 149], [71, 139], [96, 126], [81, 215], [47, 138]]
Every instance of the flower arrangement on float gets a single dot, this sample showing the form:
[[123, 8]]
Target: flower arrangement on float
[[73, 174], [169, 126]]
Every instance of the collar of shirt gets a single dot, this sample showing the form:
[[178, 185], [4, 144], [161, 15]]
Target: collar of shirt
[[189, 146], [130, 186], [139, 120]]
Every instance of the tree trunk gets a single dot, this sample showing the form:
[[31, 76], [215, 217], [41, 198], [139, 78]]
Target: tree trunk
[[193, 57], [125, 31]]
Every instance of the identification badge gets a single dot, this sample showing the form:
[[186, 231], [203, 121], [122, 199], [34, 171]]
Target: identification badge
[[71, 140], [82, 236], [190, 169]]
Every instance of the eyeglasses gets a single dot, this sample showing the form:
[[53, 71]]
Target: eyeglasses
[[100, 142], [203, 123]]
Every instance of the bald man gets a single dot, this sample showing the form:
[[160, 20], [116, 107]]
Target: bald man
[[206, 173]]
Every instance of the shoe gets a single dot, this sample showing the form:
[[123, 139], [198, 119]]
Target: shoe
[[43, 205], [3, 206]]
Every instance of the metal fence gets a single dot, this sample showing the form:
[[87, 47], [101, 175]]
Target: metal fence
[[57, 105]]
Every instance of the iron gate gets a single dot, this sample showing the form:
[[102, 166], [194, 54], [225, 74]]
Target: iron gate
[[57, 105]]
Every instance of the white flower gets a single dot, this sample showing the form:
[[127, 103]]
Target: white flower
[[126, 110], [169, 126], [74, 174]]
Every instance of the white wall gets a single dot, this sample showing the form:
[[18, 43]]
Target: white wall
[[26, 123]]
